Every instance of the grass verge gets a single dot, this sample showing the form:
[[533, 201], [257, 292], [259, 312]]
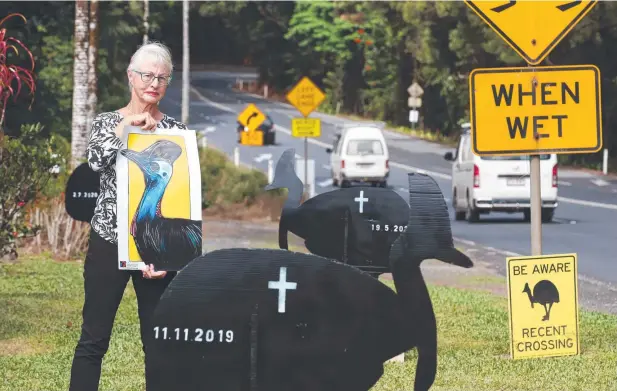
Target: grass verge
[[41, 316]]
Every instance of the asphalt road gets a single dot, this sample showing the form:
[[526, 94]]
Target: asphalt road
[[585, 220]]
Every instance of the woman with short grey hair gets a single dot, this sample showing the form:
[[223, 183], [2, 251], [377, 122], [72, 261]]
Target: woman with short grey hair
[[149, 74]]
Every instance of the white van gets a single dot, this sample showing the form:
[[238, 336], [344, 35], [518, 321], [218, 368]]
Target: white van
[[359, 154], [481, 185]]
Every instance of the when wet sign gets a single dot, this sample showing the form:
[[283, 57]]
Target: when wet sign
[[543, 306], [519, 111]]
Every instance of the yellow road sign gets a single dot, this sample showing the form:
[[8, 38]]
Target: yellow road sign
[[306, 127], [252, 137], [543, 304], [532, 28], [519, 111], [305, 96], [251, 117]]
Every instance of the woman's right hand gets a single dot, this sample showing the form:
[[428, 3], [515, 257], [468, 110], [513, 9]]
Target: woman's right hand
[[144, 120]]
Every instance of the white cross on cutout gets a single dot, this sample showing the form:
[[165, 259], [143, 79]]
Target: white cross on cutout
[[361, 200], [282, 285]]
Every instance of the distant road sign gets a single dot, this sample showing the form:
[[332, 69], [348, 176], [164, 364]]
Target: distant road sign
[[532, 28], [252, 137], [251, 117], [306, 127], [519, 111], [543, 306], [414, 102], [306, 96], [414, 90]]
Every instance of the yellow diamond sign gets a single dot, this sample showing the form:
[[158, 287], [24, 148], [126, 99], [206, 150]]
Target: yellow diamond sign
[[532, 28], [543, 304], [306, 96], [252, 137], [251, 117]]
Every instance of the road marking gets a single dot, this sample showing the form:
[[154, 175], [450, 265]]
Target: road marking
[[404, 166], [563, 183], [326, 166], [326, 183], [600, 182], [587, 203], [211, 103]]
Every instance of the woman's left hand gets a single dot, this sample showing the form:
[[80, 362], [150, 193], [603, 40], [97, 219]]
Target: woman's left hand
[[152, 274]]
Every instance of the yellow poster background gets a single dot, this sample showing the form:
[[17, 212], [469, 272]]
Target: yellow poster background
[[177, 197]]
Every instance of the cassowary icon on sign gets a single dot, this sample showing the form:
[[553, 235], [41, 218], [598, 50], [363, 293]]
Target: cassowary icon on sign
[[545, 293]]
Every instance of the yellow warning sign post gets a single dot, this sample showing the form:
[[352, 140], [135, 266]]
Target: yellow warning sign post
[[543, 306], [251, 118], [532, 28], [306, 97], [543, 110], [306, 127]]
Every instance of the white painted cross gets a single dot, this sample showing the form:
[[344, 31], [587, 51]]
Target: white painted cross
[[361, 200], [282, 285]]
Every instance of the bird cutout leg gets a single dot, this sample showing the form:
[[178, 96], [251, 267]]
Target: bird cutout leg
[[134, 226], [422, 329]]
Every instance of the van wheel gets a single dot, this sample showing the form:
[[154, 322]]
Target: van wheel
[[344, 183], [472, 215], [334, 181], [383, 184], [547, 215], [459, 215]]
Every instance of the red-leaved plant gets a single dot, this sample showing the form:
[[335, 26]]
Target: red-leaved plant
[[13, 74]]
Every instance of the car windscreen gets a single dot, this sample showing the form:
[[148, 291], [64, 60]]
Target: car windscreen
[[542, 157], [365, 147]]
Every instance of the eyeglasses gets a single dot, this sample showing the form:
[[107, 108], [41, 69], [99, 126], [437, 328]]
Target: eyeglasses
[[149, 77]]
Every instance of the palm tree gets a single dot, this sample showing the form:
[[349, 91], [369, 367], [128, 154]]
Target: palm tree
[[146, 22], [185, 61], [79, 139], [93, 51]]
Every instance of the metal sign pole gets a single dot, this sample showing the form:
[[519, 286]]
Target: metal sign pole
[[536, 206], [306, 185]]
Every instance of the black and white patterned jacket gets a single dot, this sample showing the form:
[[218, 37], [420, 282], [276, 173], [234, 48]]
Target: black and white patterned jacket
[[101, 152]]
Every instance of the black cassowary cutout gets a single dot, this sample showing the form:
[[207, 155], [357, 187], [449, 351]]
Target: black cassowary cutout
[[333, 226], [81, 192], [274, 320], [167, 243]]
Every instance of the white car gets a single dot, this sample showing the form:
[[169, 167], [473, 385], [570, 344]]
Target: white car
[[481, 185], [359, 154]]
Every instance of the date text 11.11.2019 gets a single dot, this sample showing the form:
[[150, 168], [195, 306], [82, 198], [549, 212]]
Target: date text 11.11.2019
[[195, 335]]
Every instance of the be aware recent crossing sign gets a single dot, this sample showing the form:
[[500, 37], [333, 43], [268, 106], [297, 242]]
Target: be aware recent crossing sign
[[518, 111], [543, 304]]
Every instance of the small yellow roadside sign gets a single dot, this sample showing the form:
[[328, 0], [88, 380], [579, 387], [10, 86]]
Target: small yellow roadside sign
[[251, 117], [305, 96], [543, 306], [306, 127], [252, 137], [518, 111], [532, 28]]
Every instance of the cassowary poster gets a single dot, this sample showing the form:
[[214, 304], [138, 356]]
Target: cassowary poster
[[159, 200]]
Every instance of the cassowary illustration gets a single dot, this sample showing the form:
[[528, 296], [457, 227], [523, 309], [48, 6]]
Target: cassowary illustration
[[545, 293], [167, 243], [426, 235]]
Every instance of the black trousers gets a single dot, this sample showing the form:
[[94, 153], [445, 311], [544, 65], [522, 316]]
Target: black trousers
[[104, 286]]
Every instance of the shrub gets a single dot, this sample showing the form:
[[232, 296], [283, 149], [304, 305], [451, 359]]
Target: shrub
[[234, 191], [26, 167]]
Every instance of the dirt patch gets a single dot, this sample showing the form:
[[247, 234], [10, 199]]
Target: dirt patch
[[20, 347], [220, 233]]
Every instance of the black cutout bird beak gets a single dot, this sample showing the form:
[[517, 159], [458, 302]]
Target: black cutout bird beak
[[455, 257]]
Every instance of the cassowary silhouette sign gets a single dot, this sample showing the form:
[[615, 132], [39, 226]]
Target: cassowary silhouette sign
[[277, 320], [159, 200]]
